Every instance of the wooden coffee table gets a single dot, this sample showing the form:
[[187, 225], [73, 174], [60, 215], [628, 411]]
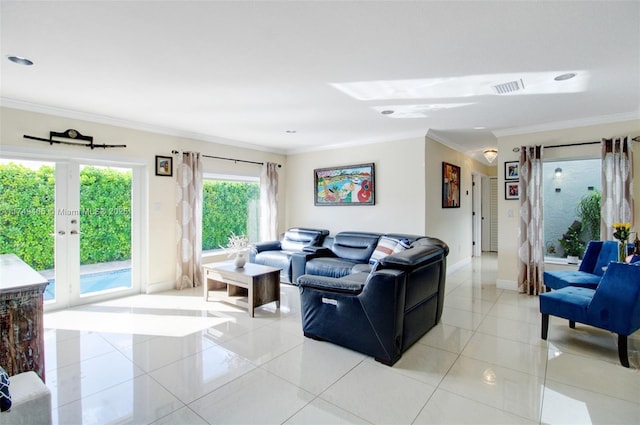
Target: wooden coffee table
[[248, 287]]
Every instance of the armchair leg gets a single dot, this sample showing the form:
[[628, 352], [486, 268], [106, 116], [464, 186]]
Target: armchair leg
[[623, 354], [572, 324], [545, 326]]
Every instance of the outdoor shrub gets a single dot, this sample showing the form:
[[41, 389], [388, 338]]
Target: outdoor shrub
[[226, 207], [27, 213]]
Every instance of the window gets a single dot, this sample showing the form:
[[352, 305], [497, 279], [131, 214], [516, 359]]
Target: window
[[571, 205], [229, 205]]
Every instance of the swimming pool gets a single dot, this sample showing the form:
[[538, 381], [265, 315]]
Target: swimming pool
[[95, 282]]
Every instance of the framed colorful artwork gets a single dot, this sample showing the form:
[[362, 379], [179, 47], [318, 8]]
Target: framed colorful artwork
[[450, 185], [348, 185], [164, 166], [511, 190], [511, 170]]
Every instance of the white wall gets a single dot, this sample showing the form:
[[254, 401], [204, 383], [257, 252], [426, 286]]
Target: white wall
[[508, 228], [452, 225], [399, 189], [408, 193], [142, 147]]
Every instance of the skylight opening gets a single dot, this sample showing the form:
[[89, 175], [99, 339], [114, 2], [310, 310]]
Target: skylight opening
[[464, 86], [418, 110]]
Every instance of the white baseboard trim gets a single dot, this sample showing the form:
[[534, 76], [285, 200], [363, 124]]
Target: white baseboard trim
[[451, 268], [160, 287], [511, 285]]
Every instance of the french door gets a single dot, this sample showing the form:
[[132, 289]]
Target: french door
[[76, 222]]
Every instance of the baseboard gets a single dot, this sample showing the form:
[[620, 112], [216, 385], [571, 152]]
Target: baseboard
[[160, 287], [511, 285], [451, 268]]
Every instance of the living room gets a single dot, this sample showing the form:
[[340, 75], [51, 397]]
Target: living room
[[408, 200]]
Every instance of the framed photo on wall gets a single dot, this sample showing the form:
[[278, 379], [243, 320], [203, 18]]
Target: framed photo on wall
[[511, 190], [348, 185], [164, 166], [511, 170], [450, 185]]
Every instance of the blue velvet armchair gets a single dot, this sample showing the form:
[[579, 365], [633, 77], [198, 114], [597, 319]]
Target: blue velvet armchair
[[597, 255], [614, 305]]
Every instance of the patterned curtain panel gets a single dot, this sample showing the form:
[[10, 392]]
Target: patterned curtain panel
[[531, 232], [268, 202], [189, 219], [617, 181]]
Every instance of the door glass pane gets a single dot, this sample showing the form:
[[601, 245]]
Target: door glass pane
[[27, 214], [105, 229]]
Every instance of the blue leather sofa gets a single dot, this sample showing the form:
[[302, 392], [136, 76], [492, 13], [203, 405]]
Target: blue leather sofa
[[596, 257], [614, 305], [279, 253], [379, 310], [344, 254]]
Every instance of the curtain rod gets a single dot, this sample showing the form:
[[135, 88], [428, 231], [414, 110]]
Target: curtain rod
[[231, 159], [517, 149]]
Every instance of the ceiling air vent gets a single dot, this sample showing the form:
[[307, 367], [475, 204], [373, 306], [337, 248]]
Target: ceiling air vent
[[510, 87]]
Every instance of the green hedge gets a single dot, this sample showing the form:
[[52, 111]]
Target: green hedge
[[228, 207], [105, 200], [27, 212]]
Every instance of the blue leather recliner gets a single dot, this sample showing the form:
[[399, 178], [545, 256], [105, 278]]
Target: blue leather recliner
[[383, 312], [614, 305], [597, 256]]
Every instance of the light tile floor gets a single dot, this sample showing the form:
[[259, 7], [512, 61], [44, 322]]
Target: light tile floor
[[172, 358]]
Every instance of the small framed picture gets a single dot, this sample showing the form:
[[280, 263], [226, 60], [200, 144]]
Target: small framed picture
[[511, 170], [511, 190], [164, 166], [450, 185]]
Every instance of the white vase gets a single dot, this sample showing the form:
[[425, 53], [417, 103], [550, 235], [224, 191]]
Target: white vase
[[240, 260]]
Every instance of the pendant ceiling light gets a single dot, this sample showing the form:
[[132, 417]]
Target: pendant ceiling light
[[490, 154]]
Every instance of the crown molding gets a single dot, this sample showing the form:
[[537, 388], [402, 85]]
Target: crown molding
[[368, 141], [117, 122], [444, 140], [563, 125]]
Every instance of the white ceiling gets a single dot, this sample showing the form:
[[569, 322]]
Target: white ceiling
[[249, 71]]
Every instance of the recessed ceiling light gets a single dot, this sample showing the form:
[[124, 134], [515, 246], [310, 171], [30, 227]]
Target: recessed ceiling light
[[567, 76], [387, 112], [479, 128], [20, 60], [290, 131]]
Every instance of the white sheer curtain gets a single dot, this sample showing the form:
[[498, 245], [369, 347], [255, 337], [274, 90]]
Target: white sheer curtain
[[188, 219], [617, 185], [268, 202], [531, 232]]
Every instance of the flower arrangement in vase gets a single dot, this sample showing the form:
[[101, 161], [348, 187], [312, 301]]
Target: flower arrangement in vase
[[238, 246], [621, 233]]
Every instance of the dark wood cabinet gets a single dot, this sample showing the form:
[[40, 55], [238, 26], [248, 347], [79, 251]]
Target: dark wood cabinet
[[21, 317]]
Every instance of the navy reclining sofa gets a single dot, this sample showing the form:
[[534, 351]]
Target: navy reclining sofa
[[279, 253], [378, 309]]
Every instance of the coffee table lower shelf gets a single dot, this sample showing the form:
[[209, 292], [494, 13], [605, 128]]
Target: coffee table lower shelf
[[248, 287]]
